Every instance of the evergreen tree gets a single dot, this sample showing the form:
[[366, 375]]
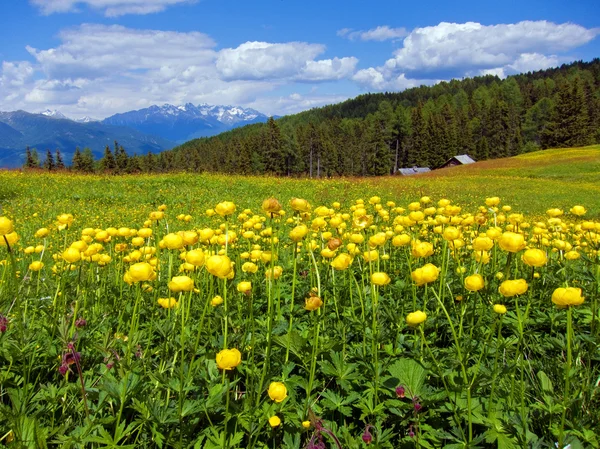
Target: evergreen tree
[[31, 160], [87, 161], [76, 162], [107, 163], [121, 158], [273, 146], [49, 161], [60, 164]]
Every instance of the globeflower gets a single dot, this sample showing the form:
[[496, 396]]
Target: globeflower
[[140, 272], [569, 296], [225, 208], [512, 242], [534, 257], [167, 303], [312, 303], [300, 205], [216, 301], [71, 255], [6, 226], [299, 232], [277, 391], [578, 210], [244, 287], [172, 241], [380, 278], [42, 232], [492, 201], [195, 257], [36, 265], [483, 243], [271, 206], [474, 282], [500, 309], [274, 421], [413, 319], [181, 284], [425, 275], [273, 272], [219, 266], [228, 359], [513, 287], [342, 261], [422, 249]]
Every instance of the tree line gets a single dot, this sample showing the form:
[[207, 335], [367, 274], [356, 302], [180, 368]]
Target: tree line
[[376, 134]]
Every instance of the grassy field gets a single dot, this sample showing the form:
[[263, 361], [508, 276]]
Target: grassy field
[[456, 309], [530, 183]]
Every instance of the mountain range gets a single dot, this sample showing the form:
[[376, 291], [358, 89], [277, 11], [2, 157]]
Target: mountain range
[[146, 130]]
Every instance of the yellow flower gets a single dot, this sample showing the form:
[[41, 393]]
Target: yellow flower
[[167, 303], [141, 271], [300, 205], [572, 255], [172, 241], [228, 359], [181, 284], [271, 206], [306, 424], [6, 226], [422, 249], [513, 287], [512, 242], [71, 255], [493, 201], [273, 272], [380, 278], [500, 309], [65, 219], [312, 303], [225, 208], [219, 266], [565, 297], [274, 421], [216, 301], [299, 232], [36, 265], [401, 240], [483, 244], [555, 212], [277, 391], [371, 256], [451, 233], [42, 232], [474, 282], [189, 237], [244, 287], [415, 318], [426, 274], [195, 257], [578, 210], [342, 261], [249, 267], [534, 257]]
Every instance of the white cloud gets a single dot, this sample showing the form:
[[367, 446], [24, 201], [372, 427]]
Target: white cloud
[[290, 61], [456, 50], [380, 33], [110, 8], [469, 45], [376, 79], [99, 70], [97, 51], [293, 103]]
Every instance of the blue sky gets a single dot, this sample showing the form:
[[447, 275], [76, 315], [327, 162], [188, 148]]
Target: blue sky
[[99, 57]]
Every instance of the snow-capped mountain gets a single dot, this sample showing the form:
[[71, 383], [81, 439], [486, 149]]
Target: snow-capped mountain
[[54, 114], [20, 129], [86, 119], [187, 121]]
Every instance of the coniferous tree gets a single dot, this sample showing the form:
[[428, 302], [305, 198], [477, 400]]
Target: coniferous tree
[[49, 161], [76, 162], [87, 161], [107, 163], [30, 159], [121, 158], [60, 164]]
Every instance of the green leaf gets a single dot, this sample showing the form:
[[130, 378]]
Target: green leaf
[[410, 374]]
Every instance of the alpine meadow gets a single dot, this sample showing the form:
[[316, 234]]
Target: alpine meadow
[[271, 225]]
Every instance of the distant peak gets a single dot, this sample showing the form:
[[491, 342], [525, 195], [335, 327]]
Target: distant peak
[[53, 113]]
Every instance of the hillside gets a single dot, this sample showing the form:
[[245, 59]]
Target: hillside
[[374, 134]]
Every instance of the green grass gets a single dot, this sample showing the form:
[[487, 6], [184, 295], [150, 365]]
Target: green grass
[[531, 183]]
